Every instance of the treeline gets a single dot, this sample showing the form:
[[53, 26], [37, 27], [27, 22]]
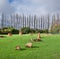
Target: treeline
[[35, 22], [24, 30]]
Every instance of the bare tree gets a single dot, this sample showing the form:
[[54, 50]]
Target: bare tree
[[53, 19], [23, 20], [11, 20], [17, 20], [35, 22], [48, 25], [2, 21], [58, 17], [41, 23]]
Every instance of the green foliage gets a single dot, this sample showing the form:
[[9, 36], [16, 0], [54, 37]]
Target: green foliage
[[37, 30], [55, 28], [7, 30], [32, 30], [15, 31], [45, 31], [25, 30]]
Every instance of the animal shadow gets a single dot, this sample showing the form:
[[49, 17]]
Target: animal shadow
[[23, 49], [2, 36], [35, 46]]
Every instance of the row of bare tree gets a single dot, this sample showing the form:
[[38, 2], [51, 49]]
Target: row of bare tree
[[36, 22]]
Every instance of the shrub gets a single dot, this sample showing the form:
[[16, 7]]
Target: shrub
[[37, 30], [25, 30], [41, 31], [55, 28], [45, 31], [32, 30], [7, 30], [15, 31]]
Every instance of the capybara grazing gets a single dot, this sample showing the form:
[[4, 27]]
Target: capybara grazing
[[39, 36], [29, 45], [9, 34], [18, 47], [20, 33]]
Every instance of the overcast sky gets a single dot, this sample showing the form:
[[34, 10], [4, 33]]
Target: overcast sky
[[39, 7]]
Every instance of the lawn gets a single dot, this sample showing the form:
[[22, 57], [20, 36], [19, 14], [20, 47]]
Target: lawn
[[48, 48]]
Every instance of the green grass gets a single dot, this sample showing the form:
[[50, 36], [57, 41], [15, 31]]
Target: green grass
[[48, 48]]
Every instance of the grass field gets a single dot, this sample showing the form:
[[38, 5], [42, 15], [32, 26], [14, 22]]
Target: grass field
[[48, 48]]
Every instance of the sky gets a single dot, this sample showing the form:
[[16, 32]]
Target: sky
[[38, 7]]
